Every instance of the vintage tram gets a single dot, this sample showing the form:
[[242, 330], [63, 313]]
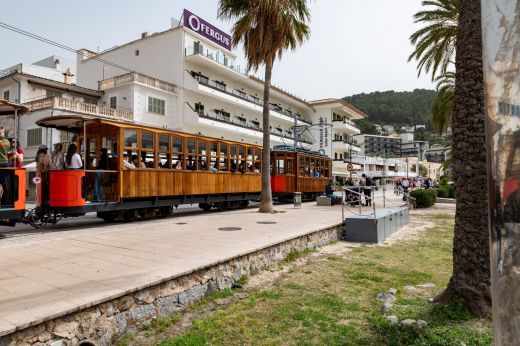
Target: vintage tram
[[132, 171]]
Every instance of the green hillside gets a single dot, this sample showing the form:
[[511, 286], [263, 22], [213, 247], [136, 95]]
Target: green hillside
[[396, 107]]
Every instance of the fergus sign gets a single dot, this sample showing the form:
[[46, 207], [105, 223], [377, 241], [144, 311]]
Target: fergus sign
[[201, 27]]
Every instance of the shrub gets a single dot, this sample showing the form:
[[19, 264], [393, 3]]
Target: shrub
[[424, 198], [443, 191]]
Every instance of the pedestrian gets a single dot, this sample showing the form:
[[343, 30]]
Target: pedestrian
[[42, 159], [16, 154], [405, 184], [57, 158], [5, 145], [73, 160], [367, 189]]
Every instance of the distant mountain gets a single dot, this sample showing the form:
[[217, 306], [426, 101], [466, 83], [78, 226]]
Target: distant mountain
[[396, 107]]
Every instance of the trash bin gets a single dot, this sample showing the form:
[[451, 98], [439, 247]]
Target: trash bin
[[297, 199]]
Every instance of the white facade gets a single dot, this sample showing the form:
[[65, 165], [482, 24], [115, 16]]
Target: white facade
[[215, 96]]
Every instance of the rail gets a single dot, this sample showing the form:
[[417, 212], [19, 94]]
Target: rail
[[79, 107]]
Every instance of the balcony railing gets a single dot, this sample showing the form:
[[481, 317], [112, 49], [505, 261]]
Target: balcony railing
[[224, 89], [136, 77], [79, 107], [244, 124], [215, 56]]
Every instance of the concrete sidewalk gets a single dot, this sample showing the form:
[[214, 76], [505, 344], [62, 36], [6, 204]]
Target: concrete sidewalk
[[47, 275]]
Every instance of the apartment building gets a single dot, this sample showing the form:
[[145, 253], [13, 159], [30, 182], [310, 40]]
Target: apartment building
[[215, 95], [437, 153], [392, 146]]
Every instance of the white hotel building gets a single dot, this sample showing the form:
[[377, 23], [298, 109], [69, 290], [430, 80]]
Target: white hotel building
[[213, 93]]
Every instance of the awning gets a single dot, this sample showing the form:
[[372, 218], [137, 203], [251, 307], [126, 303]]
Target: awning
[[70, 123], [8, 108]]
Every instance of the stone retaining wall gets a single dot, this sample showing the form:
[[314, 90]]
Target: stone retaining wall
[[96, 325]]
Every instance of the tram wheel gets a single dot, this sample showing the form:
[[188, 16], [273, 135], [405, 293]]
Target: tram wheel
[[107, 216], [205, 206], [166, 211]]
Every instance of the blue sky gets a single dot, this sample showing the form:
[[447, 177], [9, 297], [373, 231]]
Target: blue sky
[[355, 46]]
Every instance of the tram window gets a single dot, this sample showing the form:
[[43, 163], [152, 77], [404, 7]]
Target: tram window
[[213, 152], [233, 157], [177, 161], [224, 166], [223, 150], [147, 140], [301, 166], [164, 142], [177, 144], [135, 159], [148, 157], [91, 161], [202, 155], [317, 169], [290, 165], [249, 164], [164, 160], [191, 146], [130, 138], [280, 166]]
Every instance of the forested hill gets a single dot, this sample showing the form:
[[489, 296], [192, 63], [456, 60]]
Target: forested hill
[[391, 107]]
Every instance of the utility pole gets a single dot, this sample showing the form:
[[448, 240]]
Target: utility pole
[[406, 168]]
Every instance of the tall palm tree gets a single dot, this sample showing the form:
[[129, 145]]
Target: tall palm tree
[[266, 28], [435, 42], [442, 107], [470, 280]]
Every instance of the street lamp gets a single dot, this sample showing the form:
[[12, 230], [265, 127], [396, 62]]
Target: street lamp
[[407, 168]]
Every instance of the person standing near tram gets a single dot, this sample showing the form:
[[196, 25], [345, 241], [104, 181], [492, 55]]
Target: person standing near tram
[[5, 145]]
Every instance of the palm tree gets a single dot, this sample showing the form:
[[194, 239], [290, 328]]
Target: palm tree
[[470, 280], [435, 42], [442, 107], [266, 28]]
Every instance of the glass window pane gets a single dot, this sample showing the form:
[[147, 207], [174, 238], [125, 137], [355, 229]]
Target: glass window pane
[[223, 149], [164, 142], [191, 146], [146, 140], [177, 144], [203, 149], [242, 152], [164, 161], [213, 146], [130, 138], [232, 151], [177, 161]]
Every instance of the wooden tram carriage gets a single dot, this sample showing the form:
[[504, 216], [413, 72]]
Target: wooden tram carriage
[[169, 168], [298, 171]]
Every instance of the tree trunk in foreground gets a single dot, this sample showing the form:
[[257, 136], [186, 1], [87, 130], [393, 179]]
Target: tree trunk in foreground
[[470, 280], [266, 199]]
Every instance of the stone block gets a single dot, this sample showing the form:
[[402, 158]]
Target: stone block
[[193, 294], [141, 313], [323, 201]]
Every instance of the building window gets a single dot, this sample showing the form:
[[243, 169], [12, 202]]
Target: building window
[[199, 108], [220, 85], [34, 137], [156, 106], [113, 102], [6, 95], [52, 93]]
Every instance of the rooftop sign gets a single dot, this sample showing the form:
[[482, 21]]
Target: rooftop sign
[[201, 27]]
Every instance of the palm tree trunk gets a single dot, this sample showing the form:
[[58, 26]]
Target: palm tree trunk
[[470, 280], [266, 199]]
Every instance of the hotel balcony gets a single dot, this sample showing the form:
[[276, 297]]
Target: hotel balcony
[[235, 97], [215, 61], [345, 124], [253, 129], [133, 77], [79, 107]]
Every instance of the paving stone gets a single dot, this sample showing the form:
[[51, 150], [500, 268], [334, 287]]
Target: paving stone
[[385, 307]]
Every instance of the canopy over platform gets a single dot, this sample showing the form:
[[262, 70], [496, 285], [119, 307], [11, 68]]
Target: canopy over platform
[[9, 108], [69, 123]]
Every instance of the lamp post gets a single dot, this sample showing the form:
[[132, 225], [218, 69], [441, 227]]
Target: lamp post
[[407, 168]]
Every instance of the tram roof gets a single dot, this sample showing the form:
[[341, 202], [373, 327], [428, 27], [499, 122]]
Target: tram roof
[[8, 108], [75, 123], [289, 149]]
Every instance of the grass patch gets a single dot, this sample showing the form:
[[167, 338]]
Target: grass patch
[[332, 301], [160, 324], [122, 340], [295, 254]]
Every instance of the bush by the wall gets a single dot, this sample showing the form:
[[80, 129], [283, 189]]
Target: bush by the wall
[[443, 191], [424, 198]]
